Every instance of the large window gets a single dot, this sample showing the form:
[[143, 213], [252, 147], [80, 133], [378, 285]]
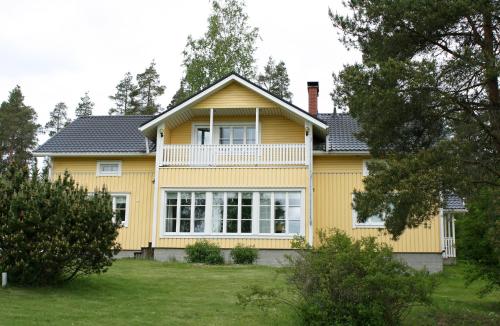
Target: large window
[[234, 212], [120, 204], [375, 221], [226, 134]]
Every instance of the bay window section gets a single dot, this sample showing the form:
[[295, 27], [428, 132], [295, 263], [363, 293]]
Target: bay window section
[[265, 213]]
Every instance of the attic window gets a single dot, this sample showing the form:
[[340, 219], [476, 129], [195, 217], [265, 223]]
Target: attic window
[[109, 168]]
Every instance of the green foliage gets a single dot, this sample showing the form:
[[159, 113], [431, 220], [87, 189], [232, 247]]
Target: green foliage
[[18, 129], [227, 46], [52, 231], [204, 252], [58, 119], [427, 98], [242, 254], [478, 240], [147, 92], [349, 282], [275, 79], [85, 107], [124, 96]]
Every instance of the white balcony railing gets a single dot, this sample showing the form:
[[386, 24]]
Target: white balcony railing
[[234, 155], [449, 247]]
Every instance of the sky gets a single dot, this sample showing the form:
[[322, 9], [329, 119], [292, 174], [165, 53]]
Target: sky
[[58, 50]]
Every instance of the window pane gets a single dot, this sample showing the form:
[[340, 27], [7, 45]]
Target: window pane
[[120, 215], [225, 135], [246, 212], [250, 135], [375, 219], [185, 212], [246, 226], [171, 212], [218, 198], [108, 167], [279, 226], [265, 226], [185, 226], [172, 198], [232, 198], [238, 135], [232, 212], [265, 212], [199, 198], [294, 227], [279, 198], [294, 213], [294, 199], [232, 226], [170, 225], [246, 198], [279, 212], [217, 218], [265, 198], [199, 225], [185, 198]]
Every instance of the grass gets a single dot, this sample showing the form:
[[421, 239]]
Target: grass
[[147, 292]]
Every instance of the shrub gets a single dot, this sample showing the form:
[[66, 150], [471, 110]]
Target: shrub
[[204, 252], [348, 282], [52, 231], [242, 254]]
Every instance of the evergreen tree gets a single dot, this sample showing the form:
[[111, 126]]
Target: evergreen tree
[[147, 92], [227, 46], [427, 98], [275, 79], [124, 97], [58, 119], [18, 129], [85, 107]]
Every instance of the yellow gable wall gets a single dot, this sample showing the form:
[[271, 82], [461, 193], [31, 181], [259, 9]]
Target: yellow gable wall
[[234, 95], [137, 180], [274, 129], [335, 178]]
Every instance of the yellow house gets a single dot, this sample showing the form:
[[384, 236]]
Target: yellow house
[[232, 164]]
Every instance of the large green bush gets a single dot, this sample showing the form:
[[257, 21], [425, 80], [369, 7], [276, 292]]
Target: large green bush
[[242, 254], [204, 252], [52, 231], [347, 282]]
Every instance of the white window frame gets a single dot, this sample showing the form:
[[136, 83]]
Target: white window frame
[[367, 224], [127, 206], [216, 132], [208, 214], [118, 173]]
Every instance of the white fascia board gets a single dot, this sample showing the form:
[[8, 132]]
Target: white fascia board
[[340, 153], [39, 154], [223, 83]]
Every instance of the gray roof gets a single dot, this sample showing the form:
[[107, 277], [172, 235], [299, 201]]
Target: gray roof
[[453, 202], [342, 133], [98, 134]]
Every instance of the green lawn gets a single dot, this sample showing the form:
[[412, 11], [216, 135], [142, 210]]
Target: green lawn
[[147, 292]]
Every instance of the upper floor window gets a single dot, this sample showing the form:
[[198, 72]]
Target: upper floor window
[[229, 135], [109, 168]]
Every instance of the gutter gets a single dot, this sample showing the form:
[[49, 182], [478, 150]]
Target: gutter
[[76, 154]]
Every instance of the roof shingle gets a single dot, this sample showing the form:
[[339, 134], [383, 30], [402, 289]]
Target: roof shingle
[[342, 132], [100, 134]]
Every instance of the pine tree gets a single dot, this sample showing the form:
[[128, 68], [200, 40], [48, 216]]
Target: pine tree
[[227, 46], [148, 90], [275, 79], [58, 119], [124, 97], [85, 107], [18, 129]]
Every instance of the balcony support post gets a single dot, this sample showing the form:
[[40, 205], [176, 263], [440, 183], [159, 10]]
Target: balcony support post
[[257, 129], [211, 126]]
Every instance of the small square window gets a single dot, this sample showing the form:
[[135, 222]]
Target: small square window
[[109, 168]]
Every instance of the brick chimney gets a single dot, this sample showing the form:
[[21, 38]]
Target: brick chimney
[[313, 92]]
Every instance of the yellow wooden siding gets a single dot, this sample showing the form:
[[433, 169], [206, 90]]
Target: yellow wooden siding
[[274, 129], [251, 178], [334, 180], [137, 179], [234, 95]]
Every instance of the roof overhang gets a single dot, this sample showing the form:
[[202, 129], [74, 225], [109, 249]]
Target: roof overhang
[[341, 153], [93, 154], [149, 128]]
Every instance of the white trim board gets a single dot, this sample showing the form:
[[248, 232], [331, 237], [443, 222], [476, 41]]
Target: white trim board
[[155, 122], [93, 154]]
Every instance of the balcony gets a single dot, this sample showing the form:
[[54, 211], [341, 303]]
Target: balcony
[[234, 155]]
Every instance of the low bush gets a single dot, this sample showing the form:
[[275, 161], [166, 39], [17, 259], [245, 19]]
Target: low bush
[[204, 252], [53, 231], [242, 254], [347, 282]]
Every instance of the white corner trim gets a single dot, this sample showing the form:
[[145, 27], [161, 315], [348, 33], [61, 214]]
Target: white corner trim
[[158, 160], [223, 83], [99, 173]]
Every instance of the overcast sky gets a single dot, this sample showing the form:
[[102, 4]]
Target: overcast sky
[[57, 50]]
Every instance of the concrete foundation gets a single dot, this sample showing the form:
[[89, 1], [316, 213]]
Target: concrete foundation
[[125, 254], [432, 262]]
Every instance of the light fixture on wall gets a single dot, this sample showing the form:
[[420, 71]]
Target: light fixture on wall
[[161, 133], [307, 131]]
